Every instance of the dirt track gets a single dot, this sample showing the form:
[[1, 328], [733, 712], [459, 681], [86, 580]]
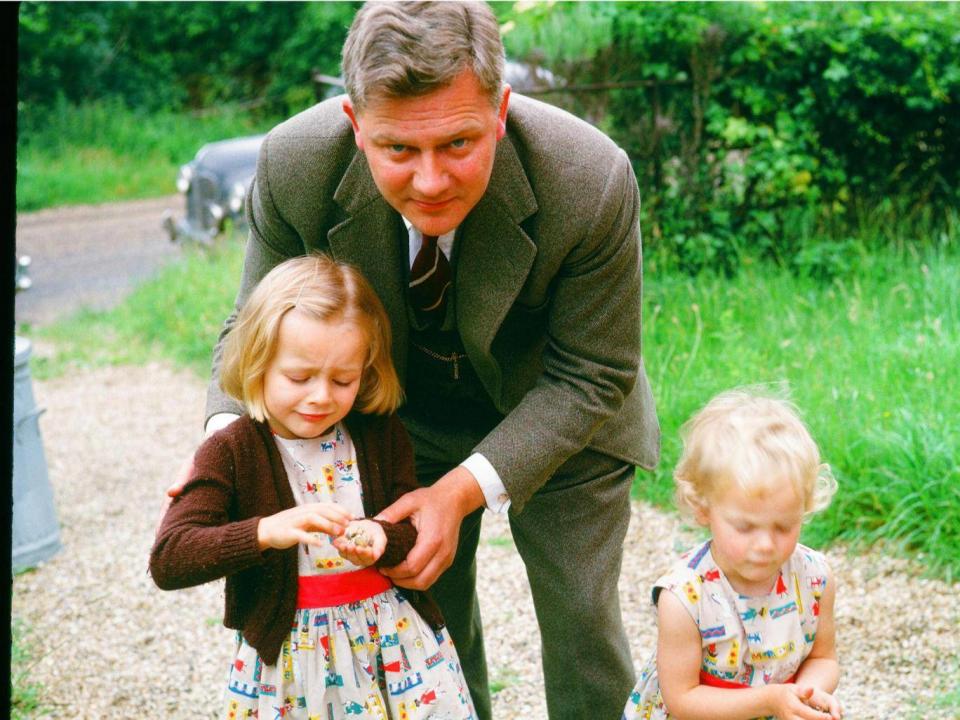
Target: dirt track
[[90, 255]]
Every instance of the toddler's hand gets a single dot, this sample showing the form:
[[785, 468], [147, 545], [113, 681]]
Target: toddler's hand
[[362, 543], [797, 702], [300, 525], [825, 703]]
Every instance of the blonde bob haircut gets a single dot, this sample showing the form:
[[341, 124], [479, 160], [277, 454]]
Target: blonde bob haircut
[[753, 441], [326, 290]]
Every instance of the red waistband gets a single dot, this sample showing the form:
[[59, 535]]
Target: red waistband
[[713, 681], [315, 591]]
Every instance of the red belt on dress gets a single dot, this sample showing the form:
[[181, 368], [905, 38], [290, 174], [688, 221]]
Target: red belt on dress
[[315, 591], [713, 681]]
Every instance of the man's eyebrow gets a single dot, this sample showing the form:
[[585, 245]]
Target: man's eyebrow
[[388, 138]]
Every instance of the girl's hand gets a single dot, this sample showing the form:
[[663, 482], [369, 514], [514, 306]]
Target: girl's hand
[[362, 543], [797, 702], [300, 525]]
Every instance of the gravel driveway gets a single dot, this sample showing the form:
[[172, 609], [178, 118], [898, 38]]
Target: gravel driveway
[[108, 644]]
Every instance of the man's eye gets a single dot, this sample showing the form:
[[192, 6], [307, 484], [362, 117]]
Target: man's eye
[[396, 148], [459, 143]]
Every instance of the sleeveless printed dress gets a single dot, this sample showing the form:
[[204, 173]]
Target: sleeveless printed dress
[[747, 640], [375, 658]]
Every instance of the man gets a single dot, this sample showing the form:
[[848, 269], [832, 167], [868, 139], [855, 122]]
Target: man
[[516, 330]]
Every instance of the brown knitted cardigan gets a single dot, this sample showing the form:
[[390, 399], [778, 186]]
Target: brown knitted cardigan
[[210, 529]]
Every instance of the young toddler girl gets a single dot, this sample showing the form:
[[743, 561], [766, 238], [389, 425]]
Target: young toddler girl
[[271, 507], [745, 627]]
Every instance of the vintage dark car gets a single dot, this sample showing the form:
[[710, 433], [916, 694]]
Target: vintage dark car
[[215, 182]]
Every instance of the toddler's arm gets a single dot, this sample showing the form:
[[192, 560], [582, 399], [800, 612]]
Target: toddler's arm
[[679, 657], [821, 671]]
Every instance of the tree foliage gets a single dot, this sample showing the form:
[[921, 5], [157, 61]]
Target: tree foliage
[[170, 56]]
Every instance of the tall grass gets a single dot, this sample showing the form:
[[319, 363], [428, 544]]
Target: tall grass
[[104, 151], [871, 359]]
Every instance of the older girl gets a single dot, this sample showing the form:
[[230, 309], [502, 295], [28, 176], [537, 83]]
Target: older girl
[[277, 502]]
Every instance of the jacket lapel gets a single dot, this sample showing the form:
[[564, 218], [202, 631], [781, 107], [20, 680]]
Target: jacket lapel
[[369, 239], [495, 257]]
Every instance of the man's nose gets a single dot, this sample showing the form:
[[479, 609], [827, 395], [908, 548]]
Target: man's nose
[[430, 178]]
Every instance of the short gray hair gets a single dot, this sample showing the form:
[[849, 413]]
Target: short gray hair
[[408, 49]]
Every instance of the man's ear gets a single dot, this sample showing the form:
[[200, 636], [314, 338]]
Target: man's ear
[[350, 113], [502, 113]]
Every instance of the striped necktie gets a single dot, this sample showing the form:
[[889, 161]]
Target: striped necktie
[[430, 281]]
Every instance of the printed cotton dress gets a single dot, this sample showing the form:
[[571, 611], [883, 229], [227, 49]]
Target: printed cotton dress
[[374, 658], [746, 640]]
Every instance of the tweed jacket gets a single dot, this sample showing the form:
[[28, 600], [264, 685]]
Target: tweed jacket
[[210, 529], [547, 285]]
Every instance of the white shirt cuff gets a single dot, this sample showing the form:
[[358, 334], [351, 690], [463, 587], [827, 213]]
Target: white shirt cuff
[[494, 492], [218, 422]]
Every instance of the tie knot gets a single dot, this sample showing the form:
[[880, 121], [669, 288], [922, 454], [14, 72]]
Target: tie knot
[[429, 240]]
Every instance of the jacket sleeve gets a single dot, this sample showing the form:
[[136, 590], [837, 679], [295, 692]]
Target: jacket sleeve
[[591, 359], [198, 541], [399, 478]]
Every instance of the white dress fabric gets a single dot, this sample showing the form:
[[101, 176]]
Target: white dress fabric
[[375, 658], [747, 640]]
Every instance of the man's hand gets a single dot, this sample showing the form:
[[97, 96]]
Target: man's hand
[[216, 422], [436, 512], [183, 475]]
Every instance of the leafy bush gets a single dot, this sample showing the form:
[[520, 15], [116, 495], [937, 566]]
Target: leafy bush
[[764, 129]]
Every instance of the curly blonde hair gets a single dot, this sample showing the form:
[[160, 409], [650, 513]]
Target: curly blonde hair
[[326, 290], [754, 441]]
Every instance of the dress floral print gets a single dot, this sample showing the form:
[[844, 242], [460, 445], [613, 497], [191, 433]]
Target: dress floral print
[[375, 658], [746, 640]]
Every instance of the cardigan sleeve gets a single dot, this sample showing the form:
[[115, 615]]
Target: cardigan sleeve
[[398, 477], [198, 540]]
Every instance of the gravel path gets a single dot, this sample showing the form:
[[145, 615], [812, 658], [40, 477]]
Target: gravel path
[[108, 644]]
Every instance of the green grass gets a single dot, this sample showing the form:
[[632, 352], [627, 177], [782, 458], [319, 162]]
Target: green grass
[[24, 694], [104, 151], [870, 359]]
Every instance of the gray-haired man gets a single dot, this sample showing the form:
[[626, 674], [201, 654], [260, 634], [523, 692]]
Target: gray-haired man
[[525, 388]]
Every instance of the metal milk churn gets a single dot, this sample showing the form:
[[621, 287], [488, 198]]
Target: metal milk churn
[[36, 532]]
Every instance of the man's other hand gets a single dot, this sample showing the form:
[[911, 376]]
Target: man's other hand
[[436, 512]]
